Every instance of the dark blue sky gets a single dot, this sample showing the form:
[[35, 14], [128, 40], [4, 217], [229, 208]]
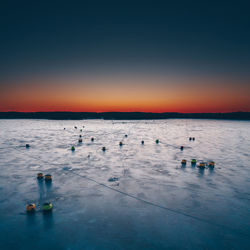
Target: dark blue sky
[[195, 36]]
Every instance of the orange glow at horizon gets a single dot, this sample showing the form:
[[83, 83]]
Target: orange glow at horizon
[[124, 95]]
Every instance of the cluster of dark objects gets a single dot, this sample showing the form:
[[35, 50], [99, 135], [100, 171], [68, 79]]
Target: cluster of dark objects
[[47, 206]]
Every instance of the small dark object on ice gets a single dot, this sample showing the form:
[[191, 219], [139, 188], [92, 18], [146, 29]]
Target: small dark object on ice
[[48, 178], [40, 176], [111, 179], [202, 165], [211, 164], [30, 208], [193, 162], [47, 207], [183, 162]]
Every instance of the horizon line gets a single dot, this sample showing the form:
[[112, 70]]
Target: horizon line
[[148, 112]]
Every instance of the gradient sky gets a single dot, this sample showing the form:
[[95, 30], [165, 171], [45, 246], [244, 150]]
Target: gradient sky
[[155, 56]]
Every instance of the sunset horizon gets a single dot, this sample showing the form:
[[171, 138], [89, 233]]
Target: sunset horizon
[[122, 93]]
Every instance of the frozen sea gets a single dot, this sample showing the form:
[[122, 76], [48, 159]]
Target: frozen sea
[[152, 203]]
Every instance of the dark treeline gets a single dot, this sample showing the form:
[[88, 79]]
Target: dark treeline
[[122, 115]]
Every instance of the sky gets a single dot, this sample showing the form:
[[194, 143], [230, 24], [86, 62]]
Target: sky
[[150, 56]]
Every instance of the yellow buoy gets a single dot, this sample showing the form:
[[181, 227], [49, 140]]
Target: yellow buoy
[[202, 165], [30, 207]]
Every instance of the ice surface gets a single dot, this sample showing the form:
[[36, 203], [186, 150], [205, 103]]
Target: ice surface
[[152, 202]]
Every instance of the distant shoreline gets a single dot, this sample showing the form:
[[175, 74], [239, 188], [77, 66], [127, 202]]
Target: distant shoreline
[[123, 115]]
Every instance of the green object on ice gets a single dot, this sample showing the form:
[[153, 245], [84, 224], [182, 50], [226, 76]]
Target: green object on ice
[[73, 148], [157, 141], [47, 206]]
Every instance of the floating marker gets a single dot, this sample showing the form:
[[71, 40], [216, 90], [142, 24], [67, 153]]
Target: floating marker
[[183, 162], [40, 176], [47, 207], [193, 161], [48, 177], [31, 207], [202, 165], [211, 164], [112, 179]]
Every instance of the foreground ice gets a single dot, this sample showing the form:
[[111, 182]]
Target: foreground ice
[[132, 196]]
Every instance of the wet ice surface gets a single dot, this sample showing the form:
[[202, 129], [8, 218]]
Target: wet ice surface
[[146, 199]]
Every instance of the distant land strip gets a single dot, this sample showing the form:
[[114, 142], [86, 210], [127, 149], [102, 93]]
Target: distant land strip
[[123, 115]]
